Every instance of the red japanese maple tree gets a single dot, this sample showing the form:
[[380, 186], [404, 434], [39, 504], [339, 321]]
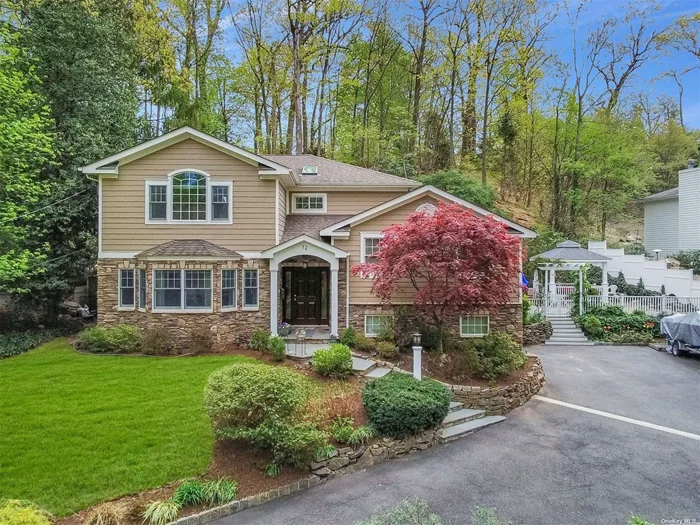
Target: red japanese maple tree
[[457, 262]]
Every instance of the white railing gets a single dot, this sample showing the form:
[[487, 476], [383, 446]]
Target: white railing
[[566, 289], [560, 306], [653, 305]]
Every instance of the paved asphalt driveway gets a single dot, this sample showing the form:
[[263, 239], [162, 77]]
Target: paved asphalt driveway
[[547, 463]]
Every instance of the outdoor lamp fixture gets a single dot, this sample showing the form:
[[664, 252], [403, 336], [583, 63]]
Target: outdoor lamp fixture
[[657, 252], [417, 354], [305, 265]]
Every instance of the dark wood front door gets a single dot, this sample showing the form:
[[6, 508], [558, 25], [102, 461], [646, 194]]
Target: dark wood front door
[[306, 296]]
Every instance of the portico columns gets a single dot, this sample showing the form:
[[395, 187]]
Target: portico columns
[[274, 290], [334, 302]]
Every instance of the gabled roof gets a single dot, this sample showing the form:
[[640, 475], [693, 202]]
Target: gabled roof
[[110, 165], [334, 173], [340, 228], [188, 248], [661, 196], [270, 252], [310, 225], [571, 251]]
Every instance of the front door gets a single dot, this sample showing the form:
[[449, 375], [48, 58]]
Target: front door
[[306, 296]]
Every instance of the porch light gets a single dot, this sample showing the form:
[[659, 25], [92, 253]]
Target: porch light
[[416, 339]]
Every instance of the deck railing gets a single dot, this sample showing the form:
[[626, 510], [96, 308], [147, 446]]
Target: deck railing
[[560, 305]]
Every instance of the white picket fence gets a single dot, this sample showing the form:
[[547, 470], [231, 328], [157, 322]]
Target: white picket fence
[[560, 305]]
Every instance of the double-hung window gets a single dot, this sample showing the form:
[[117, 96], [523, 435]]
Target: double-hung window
[[189, 196], [229, 299], [375, 323], [309, 203], [126, 288], [142, 288], [250, 289], [474, 326], [370, 247], [182, 290]]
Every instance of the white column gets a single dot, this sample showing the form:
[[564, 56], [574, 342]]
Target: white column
[[552, 282], [273, 301], [334, 302], [581, 291], [605, 282]]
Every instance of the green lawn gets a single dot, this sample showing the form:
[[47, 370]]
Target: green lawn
[[77, 429]]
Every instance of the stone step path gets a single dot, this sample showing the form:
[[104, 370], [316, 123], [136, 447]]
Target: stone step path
[[566, 333], [459, 422]]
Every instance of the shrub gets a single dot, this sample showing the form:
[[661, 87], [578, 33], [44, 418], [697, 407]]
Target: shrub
[[157, 340], [335, 361], [689, 259], [342, 429], [219, 491], [386, 333], [614, 321], [399, 405], [260, 340], [277, 347], [361, 435], [347, 337], [106, 514], [123, 338], [591, 325], [630, 337], [189, 493], [15, 343], [201, 340], [17, 512], [365, 344], [246, 395], [387, 350], [413, 512], [161, 512], [498, 354], [486, 516], [325, 452]]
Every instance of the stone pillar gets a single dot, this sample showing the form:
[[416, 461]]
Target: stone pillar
[[273, 301], [334, 302]]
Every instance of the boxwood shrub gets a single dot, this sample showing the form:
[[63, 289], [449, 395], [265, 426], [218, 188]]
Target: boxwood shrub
[[123, 338], [399, 405], [335, 361]]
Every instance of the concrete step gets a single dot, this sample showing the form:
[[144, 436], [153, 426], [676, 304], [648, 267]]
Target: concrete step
[[563, 324], [568, 343], [362, 365], [573, 340], [457, 431], [378, 372], [461, 416], [455, 405]]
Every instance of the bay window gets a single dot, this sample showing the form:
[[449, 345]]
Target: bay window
[[182, 290]]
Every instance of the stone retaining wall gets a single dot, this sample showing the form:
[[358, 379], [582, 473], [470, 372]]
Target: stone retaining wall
[[537, 334], [499, 400]]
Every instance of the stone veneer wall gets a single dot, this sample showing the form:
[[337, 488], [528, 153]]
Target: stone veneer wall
[[499, 400], [537, 333], [227, 327], [508, 318]]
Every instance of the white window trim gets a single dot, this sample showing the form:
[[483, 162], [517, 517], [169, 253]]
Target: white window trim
[[488, 325], [131, 307], [181, 309], [367, 334], [235, 296], [367, 235], [169, 199], [243, 305], [311, 212]]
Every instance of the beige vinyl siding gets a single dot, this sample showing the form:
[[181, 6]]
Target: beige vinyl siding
[[352, 202], [123, 202], [282, 209], [361, 289]]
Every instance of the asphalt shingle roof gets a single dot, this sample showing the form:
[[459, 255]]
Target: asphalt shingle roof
[[662, 195], [188, 248], [571, 251], [310, 225], [334, 173]]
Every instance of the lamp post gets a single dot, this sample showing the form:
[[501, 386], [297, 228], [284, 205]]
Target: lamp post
[[417, 353], [657, 252]]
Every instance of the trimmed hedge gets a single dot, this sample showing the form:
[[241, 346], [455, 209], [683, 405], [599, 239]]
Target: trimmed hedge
[[123, 338], [398, 405], [335, 361]]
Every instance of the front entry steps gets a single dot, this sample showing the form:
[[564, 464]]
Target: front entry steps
[[463, 421], [566, 333]]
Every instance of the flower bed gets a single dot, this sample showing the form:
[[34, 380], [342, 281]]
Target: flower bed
[[611, 324]]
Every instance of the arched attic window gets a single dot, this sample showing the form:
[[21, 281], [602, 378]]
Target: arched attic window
[[189, 197]]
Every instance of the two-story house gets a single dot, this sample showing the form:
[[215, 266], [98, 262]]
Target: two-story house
[[195, 232]]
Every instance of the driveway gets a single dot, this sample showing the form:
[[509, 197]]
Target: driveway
[[639, 453]]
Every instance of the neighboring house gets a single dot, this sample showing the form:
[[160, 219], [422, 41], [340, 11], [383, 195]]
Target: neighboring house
[[672, 217], [193, 231]]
